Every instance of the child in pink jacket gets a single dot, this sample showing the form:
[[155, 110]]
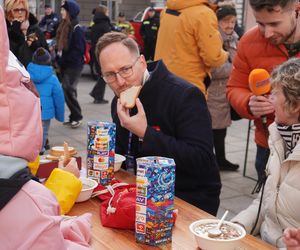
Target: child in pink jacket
[[29, 212]]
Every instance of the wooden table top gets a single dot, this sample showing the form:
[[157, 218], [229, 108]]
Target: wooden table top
[[182, 238]]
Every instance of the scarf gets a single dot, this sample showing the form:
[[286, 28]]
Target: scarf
[[10, 187], [290, 135]]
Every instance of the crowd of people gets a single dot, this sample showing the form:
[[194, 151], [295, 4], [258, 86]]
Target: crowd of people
[[194, 73]]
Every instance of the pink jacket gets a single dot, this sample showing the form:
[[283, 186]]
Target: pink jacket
[[19, 123], [31, 220]]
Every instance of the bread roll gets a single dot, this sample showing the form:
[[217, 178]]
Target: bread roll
[[59, 151], [129, 96]]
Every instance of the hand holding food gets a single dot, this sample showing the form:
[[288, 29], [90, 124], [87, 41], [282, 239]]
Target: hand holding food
[[137, 124], [129, 96]]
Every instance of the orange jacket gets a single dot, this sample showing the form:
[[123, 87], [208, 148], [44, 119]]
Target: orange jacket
[[254, 51], [188, 40]]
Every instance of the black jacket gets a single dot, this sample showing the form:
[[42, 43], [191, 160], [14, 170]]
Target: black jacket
[[101, 26], [17, 42], [179, 127], [149, 29], [50, 24]]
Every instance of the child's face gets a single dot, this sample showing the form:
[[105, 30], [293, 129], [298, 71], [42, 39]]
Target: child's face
[[282, 116]]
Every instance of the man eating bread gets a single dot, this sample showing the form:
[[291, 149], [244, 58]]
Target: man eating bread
[[168, 118]]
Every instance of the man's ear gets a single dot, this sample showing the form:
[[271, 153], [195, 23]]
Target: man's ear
[[143, 61], [297, 9]]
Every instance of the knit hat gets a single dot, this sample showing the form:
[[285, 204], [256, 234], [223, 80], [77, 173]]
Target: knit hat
[[71, 7], [41, 56], [224, 11]]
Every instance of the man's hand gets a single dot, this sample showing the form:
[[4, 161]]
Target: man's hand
[[136, 124], [260, 105], [291, 237]]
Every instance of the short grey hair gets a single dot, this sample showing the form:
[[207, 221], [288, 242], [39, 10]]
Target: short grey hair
[[287, 77], [116, 37]]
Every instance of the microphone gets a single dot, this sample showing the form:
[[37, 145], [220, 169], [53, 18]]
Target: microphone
[[259, 84]]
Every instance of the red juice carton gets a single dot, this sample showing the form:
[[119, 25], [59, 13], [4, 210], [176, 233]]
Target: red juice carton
[[155, 192], [101, 143]]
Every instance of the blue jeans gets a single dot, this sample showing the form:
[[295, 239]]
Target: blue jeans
[[46, 125], [262, 156]]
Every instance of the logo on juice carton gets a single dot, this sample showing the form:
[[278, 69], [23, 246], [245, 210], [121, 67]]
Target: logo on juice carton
[[140, 228], [100, 166], [141, 180], [100, 159], [90, 173], [104, 174], [141, 209], [101, 143], [97, 174], [141, 190], [141, 200], [140, 172], [102, 131], [140, 218]]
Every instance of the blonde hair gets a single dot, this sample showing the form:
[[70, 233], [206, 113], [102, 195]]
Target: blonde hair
[[287, 78], [9, 6]]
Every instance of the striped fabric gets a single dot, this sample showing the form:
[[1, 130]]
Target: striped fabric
[[290, 134]]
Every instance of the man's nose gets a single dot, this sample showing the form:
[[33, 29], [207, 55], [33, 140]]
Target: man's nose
[[120, 80], [268, 32]]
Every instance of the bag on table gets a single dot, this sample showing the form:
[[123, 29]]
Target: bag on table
[[118, 206], [117, 209]]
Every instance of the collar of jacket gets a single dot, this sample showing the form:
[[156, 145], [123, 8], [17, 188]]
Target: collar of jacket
[[183, 4], [13, 175], [278, 144]]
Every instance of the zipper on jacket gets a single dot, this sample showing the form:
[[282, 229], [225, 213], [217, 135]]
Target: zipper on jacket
[[277, 188]]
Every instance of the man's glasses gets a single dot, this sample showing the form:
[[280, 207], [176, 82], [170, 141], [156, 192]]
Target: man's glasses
[[124, 72], [17, 10]]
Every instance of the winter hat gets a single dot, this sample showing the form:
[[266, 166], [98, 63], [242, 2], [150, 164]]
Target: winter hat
[[121, 14], [72, 7], [41, 56], [224, 11]]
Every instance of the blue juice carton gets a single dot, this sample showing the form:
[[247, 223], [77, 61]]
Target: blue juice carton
[[155, 192], [101, 142]]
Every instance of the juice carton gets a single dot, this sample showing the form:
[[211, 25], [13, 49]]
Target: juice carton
[[101, 151], [155, 191]]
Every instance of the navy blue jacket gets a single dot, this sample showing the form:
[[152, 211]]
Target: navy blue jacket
[[73, 56], [179, 127]]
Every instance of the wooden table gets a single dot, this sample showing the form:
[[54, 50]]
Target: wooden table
[[182, 238]]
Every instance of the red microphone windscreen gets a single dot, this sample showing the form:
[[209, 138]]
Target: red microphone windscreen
[[259, 81]]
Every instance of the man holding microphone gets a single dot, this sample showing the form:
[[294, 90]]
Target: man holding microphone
[[275, 39]]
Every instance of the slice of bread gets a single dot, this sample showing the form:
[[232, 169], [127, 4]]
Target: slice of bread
[[59, 151], [129, 96]]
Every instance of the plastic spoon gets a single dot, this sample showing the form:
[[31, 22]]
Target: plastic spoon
[[215, 232]]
